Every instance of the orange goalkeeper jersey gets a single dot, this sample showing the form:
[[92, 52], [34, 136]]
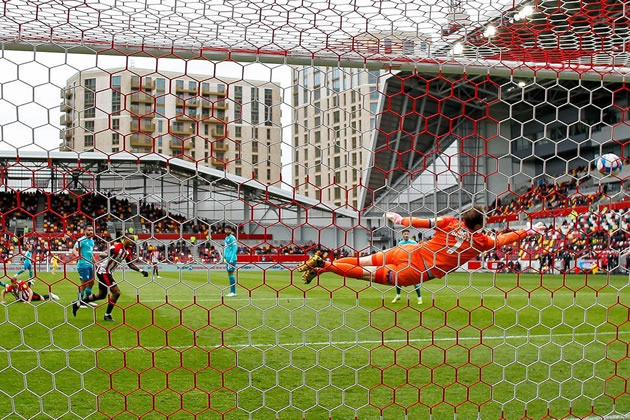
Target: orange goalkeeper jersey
[[453, 244]]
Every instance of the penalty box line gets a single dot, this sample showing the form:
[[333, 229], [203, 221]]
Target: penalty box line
[[505, 338]]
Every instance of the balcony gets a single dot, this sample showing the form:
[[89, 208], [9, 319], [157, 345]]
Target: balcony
[[186, 118], [192, 102], [220, 146], [141, 140], [135, 109], [65, 134], [64, 107], [215, 120], [65, 120], [177, 145], [184, 89], [208, 91], [145, 128], [221, 105], [219, 164], [217, 134], [141, 97], [182, 131], [148, 83], [65, 93]]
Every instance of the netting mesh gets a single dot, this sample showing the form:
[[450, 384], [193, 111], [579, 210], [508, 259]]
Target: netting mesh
[[297, 125]]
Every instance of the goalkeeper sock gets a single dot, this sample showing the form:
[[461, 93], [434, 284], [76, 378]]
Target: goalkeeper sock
[[418, 291], [87, 292]]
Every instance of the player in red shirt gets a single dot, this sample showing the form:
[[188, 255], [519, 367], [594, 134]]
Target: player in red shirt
[[22, 291], [118, 252], [455, 242]]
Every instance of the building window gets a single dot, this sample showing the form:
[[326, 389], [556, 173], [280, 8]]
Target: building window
[[255, 147], [238, 106], [160, 126], [89, 113], [255, 132], [161, 100], [336, 117], [255, 117], [115, 124], [372, 76], [268, 106], [114, 149], [255, 173], [160, 84], [116, 138], [268, 174], [206, 129], [238, 132], [89, 126], [159, 140], [268, 134], [89, 140], [179, 84], [237, 171], [192, 85]]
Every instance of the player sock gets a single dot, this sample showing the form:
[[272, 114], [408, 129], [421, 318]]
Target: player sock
[[110, 308], [232, 283], [345, 270], [87, 292]]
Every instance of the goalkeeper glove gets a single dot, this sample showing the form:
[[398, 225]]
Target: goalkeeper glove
[[393, 217], [538, 228], [145, 273]]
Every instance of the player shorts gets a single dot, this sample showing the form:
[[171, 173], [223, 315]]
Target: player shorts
[[86, 273], [400, 268], [230, 266], [105, 281]]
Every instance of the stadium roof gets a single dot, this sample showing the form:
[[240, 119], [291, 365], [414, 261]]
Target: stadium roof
[[219, 178]]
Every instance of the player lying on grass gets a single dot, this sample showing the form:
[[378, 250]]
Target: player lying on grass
[[22, 292], [455, 242], [118, 252]]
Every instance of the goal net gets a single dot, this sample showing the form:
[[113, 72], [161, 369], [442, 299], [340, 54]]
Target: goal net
[[214, 147]]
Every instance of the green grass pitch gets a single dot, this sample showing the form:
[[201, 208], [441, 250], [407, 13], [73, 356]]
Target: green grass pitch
[[480, 346]]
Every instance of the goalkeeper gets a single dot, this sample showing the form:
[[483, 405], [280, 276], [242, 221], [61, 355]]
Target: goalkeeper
[[455, 242]]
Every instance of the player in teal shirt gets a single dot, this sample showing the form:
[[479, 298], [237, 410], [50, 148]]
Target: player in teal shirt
[[405, 240], [230, 250], [84, 250], [28, 262]]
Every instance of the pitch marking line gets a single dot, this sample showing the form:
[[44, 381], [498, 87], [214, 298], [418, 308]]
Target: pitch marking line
[[332, 343]]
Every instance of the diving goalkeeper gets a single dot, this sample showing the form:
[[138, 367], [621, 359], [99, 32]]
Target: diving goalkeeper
[[455, 242]]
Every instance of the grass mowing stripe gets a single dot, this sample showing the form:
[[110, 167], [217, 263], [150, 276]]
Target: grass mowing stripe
[[335, 343]]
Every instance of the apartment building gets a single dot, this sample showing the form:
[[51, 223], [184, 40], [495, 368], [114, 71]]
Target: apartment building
[[228, 124]]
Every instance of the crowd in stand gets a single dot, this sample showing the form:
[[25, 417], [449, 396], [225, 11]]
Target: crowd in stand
[[597, 236], [550, 195], [70, 214]]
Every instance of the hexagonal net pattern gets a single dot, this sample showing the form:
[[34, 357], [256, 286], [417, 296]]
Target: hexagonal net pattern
[[234, 162]]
